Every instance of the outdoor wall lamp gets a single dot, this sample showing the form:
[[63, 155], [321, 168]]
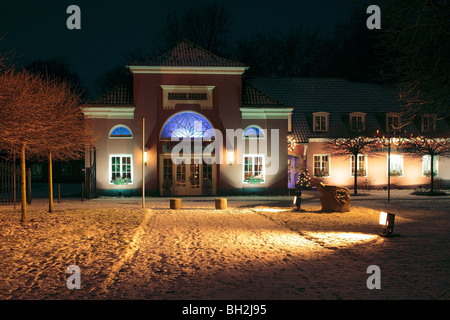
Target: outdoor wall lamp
[[230, 157], [145, 157], [387, 221]]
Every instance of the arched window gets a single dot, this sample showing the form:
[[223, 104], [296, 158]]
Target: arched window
[[187, 124], [253, 131], [120, 131]]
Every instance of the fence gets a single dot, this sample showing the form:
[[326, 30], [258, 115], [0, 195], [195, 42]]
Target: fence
[[10, 183]]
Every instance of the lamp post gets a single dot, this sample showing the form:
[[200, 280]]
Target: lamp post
[[386, 142]]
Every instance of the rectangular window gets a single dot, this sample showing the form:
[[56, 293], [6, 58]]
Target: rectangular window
[[187, 96], [180, 174], [357, 123], [320, 123], [36, 170], [121, 169], [428, 123], [253, 168], [362, 166], [426, 166], [66, 170], [167, 169], [289, 170], [396, 167], [321, 165], [393, 123], [207, 172]]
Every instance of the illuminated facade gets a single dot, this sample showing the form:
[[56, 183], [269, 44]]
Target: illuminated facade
[[237, 127], [187, 94]]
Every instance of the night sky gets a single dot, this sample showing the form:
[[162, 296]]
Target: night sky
[[110, 29]]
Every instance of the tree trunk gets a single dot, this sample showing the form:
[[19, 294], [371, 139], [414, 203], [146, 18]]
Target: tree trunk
[[356, 174], [432, 173], [23, 186], [50, 183], [14, 181]]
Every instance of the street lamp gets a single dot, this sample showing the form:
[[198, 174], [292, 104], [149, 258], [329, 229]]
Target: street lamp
[[387, 142]]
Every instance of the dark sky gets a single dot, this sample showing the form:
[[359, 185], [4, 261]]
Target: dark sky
[[110, 29]]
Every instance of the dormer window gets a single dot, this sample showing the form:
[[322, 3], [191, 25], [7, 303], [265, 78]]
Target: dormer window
[[393, 123], [358, 121], [428, 123], [320, 121]]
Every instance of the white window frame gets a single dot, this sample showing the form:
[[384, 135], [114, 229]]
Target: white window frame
[[324, 123], [356, 115], [321, 164], [359, 163], [261, 130], [117, 126], [426, 164], [401, 162], [120, 166], [263, 171]]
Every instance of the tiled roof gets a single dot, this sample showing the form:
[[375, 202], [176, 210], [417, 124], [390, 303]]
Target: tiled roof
[[121, 94], [338, 97], [187, 54], [256, 98]]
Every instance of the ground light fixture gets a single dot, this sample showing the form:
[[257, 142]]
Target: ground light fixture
[[387, 221], [298, 200]]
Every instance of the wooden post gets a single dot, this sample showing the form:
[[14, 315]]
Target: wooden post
[[29, 186], [50, 183], [23, 186], [14, 180], [175, 204], [59, 193], [143, 163], [221, 203]]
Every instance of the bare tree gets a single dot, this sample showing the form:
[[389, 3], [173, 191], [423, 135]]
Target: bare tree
[[60, 69], [5, 56], [292, 52], [353, 146], [207, 25], [432, 147], [40, 118], [68, 131], [416, 46]]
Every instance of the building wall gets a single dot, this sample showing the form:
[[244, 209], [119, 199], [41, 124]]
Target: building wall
[[377, 169], [225, 114], [106, 146]]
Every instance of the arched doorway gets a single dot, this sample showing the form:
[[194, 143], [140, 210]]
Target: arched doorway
[[193, 175]]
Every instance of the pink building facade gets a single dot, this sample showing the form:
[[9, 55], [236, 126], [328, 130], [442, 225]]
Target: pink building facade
[[236, 128]]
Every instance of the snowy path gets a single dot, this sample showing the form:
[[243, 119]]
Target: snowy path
[[252, 250], [211, 254]]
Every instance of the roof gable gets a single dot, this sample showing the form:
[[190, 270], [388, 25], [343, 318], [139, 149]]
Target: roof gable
[[187, 54]]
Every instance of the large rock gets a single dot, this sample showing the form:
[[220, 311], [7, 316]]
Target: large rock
[[334, 198]]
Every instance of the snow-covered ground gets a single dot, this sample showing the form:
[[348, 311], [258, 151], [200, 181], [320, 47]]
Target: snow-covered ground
[[258, 248]]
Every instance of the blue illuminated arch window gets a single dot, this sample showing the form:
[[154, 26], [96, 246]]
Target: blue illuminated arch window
[[253, 131], [121, 132], [187, 124]]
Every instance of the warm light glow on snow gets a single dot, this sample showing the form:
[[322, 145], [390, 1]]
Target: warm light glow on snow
[[271, 210], [337, 239]]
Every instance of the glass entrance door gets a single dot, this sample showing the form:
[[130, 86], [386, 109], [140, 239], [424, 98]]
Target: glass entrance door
[[187, 179]]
